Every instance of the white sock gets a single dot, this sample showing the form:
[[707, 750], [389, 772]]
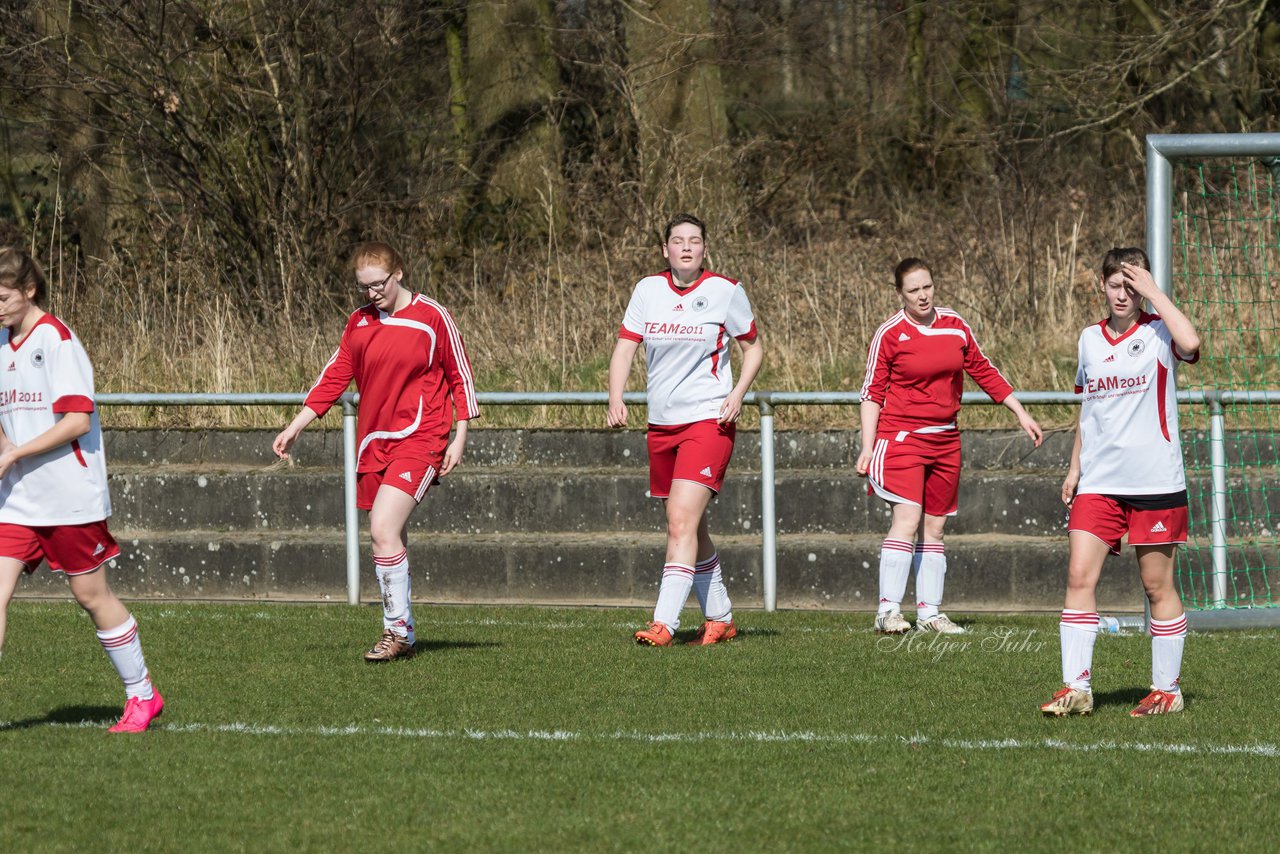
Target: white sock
[[1167, 639], [708, 585], [1077, 632], [931, 572], [393, 580], [125, 651], [677, 578], [895, 566]]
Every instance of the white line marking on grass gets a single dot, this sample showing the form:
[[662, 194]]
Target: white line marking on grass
[[761, 736]]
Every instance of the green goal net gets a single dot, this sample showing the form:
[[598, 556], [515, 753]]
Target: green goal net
[[1224, 272]]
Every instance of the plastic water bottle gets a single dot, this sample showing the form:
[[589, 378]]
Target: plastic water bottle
[[1108, 625]]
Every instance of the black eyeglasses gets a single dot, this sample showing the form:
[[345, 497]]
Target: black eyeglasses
[[376, 287]]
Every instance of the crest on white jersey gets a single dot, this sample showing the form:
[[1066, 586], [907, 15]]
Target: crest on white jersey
[[700, 304], [1137, 346], [37, 359]]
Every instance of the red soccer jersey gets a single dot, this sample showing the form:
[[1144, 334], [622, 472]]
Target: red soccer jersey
[[916, 373], [406, 367]]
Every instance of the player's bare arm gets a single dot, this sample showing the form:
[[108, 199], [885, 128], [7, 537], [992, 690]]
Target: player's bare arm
[[285, 438], [1072, 480], [1025, 421], [453, 453], [619, 368], [752, 359], [869, 411], [1181, 329], [71, 426]]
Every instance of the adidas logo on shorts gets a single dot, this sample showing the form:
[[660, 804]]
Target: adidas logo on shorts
[[1159, 528], [99, 550], [405, 476], [706, 472]]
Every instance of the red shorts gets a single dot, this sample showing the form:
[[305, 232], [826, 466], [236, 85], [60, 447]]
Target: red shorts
[[412, 477], [73, 549], [1109, 520], [698, 452], [917, 468]]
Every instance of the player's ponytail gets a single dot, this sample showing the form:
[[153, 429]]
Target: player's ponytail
[[20, 272]]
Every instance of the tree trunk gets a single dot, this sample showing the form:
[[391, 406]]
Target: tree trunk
[[679, 108]]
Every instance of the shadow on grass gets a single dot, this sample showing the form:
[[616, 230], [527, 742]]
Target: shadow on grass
[[425, 646], [105, 715]]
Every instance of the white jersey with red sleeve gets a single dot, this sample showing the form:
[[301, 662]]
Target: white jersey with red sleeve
[[412, 372], [686, 340], [1129, 442], [916, 373], [43, 377]]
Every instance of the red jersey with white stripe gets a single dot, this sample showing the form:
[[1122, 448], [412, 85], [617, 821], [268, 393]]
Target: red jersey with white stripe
[[1129, 441], [407, 366], [43, 377], [916, 373], [686, 342]]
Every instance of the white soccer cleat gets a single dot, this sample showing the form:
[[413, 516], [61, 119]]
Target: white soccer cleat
[[941, 624], [892, 623], [1069, 701]]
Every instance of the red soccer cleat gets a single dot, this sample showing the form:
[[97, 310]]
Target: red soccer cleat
[[139, 713], [657, 634], [1158, 703], [714, 631]]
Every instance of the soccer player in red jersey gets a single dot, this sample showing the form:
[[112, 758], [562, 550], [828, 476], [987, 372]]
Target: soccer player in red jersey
[[910, 443], [54, 500], [1126, 477], [686, 317], [407, 359]]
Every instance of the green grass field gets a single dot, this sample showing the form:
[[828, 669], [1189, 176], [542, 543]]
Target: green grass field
[[522, 728]]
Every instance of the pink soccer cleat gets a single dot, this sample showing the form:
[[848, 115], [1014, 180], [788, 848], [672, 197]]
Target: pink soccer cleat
[[715, 631], [139, 713], [657, 634]]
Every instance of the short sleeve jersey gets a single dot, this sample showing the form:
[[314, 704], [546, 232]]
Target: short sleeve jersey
[[686, 340], [412, 372], [916, 373], [44, 376], [1129, 441]]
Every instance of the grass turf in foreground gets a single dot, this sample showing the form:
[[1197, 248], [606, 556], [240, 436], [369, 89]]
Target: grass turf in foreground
[[524, 728]]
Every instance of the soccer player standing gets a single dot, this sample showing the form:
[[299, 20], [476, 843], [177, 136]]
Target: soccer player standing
[[407, 359], [54, 501], [1126, 477], [910, 443], [685, 317]]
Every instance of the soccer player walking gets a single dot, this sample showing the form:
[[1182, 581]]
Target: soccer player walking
[[910, 443], [685, 317], [407, 359], [1126, 477], [54, 501]]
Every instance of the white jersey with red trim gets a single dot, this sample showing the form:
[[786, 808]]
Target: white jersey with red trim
[[916, 373], [407, 367], [686, 340], [1129, 441], [44, 376]]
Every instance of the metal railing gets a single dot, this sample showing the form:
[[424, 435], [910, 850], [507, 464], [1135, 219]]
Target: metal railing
[[765, 401]]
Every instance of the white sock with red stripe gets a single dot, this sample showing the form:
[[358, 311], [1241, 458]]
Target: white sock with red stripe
[[895, 567], [1077, 631], [393, 581], [677, 578], [713, 596], [125, 651], [931, 572], [1167, 639]]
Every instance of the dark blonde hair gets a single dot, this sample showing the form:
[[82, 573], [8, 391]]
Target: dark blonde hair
[[21, 272], [908, 265], [1123, 255], [684, 219], [376, 253]]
